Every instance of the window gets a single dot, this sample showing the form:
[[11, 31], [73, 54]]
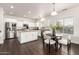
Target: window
[[67, 25]]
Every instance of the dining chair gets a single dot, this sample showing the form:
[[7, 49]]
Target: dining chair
[[65, 40], [48, 41], [47, 38]]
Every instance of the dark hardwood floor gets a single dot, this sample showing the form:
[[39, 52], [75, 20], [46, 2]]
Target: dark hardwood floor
[[13, 47]]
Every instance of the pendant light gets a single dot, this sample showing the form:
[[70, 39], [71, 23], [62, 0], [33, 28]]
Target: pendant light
[[54, 13], [42, 19]]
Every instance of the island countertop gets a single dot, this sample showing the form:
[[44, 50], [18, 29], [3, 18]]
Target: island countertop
[[27, 35]]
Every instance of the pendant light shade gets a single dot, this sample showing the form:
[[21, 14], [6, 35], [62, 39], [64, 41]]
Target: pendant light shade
[[54, 13]]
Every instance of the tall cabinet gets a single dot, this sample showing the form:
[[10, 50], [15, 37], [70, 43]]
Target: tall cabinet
[[10, 30]]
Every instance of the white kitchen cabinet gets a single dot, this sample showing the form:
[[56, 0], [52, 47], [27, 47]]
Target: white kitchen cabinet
[[27, 36]]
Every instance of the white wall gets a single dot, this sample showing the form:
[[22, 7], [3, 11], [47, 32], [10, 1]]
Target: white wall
[[1, 26]]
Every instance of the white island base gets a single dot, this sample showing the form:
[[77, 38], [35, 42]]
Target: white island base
[[27, 36]]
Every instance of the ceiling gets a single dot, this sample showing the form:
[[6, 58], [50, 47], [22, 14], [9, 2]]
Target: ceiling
[[34, 10]]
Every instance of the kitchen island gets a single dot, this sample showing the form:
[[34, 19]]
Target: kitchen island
[[27, 36]]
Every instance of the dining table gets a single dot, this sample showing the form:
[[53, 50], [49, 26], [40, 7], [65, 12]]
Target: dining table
[[56, 38]]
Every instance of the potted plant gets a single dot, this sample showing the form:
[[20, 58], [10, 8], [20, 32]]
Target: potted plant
[[56, 28], [53, 27]]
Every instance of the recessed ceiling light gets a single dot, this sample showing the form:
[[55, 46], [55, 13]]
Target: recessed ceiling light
[[24, 15], [12, 6], [42, 19], [29, 12]]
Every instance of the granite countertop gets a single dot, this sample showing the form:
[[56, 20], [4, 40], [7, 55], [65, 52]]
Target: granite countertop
[[26, 30]]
